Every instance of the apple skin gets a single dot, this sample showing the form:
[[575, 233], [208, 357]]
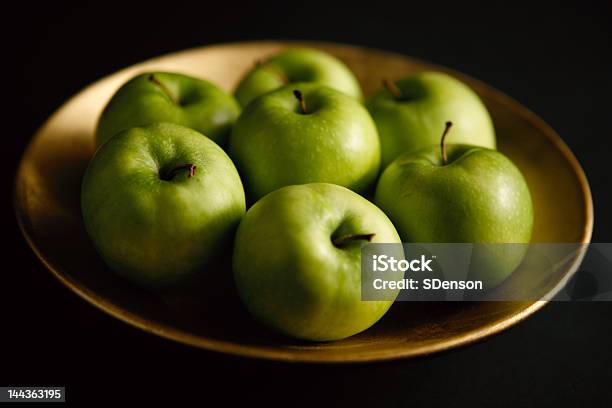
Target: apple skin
[[432, 98], [480, 197], [154, 232], [274, 145], [292, 277], [194, 103], [297, 65]]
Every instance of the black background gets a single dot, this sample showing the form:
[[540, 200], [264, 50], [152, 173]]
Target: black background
[[555, 59]]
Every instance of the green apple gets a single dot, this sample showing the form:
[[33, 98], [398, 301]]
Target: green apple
[[297, 260], [304, 133], [408, 114], [460, 193], [297, 65], [159, 202], [155, 97]]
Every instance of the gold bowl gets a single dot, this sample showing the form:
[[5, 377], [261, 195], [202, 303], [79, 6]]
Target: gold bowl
[[211, 317]]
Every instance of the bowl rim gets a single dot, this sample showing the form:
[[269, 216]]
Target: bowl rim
[[287, 355]]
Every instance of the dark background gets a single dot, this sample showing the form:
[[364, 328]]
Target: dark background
[[555, 59]]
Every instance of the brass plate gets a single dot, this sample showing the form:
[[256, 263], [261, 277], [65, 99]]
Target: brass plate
[[47, 207]]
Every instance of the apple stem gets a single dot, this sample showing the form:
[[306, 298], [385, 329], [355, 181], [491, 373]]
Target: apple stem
[[169, 175], [341, 240], [163, 88], [273, 70], [392, 87], [443, 142], [300, 98]]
